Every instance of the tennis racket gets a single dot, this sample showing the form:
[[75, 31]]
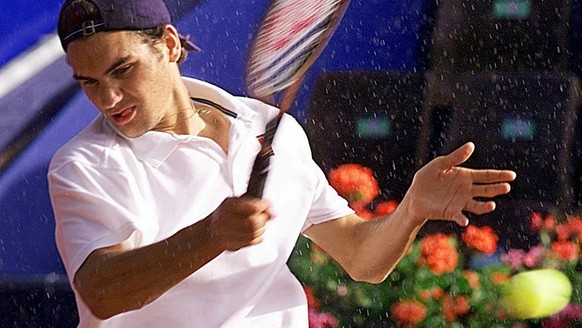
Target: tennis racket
[[293, 33]]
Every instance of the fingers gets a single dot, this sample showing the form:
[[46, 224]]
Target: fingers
[[462, 154], [480, 207], [461, 220], [492, 176], [443, 189], [490, 190], [240, 222], [475, 206], [472, 206]]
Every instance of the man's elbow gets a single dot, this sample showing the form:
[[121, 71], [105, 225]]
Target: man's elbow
[[102, 305], [369, 276]]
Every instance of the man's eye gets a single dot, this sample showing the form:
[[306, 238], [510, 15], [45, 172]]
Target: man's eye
[[89, 82], [122, 70]]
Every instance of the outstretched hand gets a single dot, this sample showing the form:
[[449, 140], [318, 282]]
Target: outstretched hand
[[442, 190]]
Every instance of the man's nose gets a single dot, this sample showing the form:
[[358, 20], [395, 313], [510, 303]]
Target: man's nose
[[109, 96]]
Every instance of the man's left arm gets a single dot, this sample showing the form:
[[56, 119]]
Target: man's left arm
[[441, 190]]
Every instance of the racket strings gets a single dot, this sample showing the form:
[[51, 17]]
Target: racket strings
[[282, 26], [293, 18], [276, 76], [288, 37], [269, 74]]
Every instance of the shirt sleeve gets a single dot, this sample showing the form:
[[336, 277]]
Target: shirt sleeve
[[93, 209], [326, 204]]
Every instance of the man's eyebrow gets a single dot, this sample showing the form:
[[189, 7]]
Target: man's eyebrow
[[111, 68]]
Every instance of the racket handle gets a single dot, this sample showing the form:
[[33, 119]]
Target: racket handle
[[258, 176], [261, 165]]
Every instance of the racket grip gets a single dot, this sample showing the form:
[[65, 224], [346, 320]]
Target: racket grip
[[261, 165], [258, 176]]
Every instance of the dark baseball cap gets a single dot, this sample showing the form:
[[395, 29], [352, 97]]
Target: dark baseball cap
[[82, 18]]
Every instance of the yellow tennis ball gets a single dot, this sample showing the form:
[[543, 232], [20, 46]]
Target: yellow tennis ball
[[537, 293]]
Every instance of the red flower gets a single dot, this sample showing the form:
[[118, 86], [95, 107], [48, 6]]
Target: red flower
[[462, 305], [408, 312], [473, 278], [566, 250], [365, 214], [575, 224], [385, 208], [455, 306], [499, 278], [435, 293], [550, 223], [425, 294], [438, 253], [572, 228], [537, 221], [563, 232], [449, 308], [355, 183], [483, 239], [312, 301]]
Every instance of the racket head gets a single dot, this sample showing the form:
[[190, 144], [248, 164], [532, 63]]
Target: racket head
[[293, 33]]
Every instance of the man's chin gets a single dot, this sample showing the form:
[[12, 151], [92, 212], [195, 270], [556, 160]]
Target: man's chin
[[130, 132], [133, 134]]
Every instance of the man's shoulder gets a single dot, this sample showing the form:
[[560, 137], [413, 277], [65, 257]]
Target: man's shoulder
[[87, 146]]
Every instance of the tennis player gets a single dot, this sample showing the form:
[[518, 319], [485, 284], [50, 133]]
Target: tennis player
[[150, 222]]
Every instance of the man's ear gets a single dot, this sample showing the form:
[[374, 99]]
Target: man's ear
[[173, 44]]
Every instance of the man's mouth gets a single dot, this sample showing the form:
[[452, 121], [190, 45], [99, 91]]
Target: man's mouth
[[124, 116]]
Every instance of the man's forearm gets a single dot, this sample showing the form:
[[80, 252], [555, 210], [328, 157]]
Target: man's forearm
[[115, 280], [383, 243]]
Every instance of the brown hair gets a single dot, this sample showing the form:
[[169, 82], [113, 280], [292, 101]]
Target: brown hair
[[155, 35]]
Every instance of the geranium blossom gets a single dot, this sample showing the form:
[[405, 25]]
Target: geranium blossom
[[385, 208], [355, 183], [365, 214], [566, 250], [500, 278], [549, 223], [312, 301], [435, 293], [537, 221], [473, 278], [571, 228], [454, 307], [438, 253], [483, 239], [575, 223], [408, 312]]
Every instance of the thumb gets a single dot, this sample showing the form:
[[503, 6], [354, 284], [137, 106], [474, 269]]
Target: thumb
[[457, 157]]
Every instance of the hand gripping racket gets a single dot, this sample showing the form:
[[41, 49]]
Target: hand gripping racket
[[293, 33]]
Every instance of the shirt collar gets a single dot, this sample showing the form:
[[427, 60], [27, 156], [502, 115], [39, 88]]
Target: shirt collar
[[155, 147]]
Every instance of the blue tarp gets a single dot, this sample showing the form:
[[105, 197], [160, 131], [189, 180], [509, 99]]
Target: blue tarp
[[24, 23]]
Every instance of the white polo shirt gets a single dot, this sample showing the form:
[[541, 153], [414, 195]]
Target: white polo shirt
[[107, 189]]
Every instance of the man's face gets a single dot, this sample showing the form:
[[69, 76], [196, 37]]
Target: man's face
[[129, 81]]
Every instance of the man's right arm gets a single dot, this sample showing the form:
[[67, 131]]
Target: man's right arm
[[117, 279]]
